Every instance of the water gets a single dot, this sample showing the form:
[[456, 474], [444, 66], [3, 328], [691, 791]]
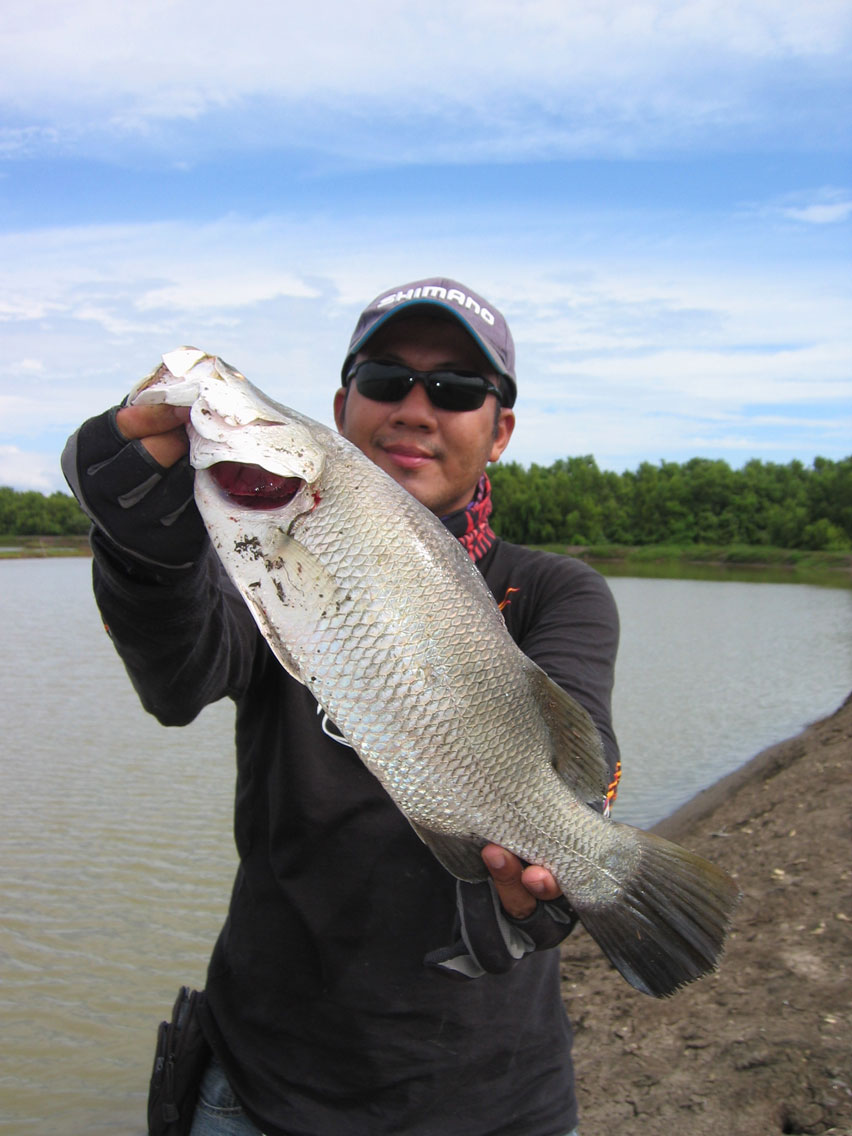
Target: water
[[116, 861], [115, 842], [711, 673]]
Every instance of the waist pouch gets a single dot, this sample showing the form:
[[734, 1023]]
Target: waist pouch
[[179, 1063]]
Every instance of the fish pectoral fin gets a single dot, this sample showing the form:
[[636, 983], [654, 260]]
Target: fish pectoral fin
[[578, 753], [459, 855], [287, 661], [287, 596], [302, 578]]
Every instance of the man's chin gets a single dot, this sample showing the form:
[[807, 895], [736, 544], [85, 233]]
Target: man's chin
[[418, 481]]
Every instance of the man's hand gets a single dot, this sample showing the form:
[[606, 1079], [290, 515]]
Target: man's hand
[[519, 888], [129, 470], [501, 921], [160, 429]]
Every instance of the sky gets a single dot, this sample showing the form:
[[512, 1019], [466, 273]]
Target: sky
[[657, 195]]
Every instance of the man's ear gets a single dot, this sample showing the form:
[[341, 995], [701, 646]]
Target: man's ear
[[340, 408], [502, 433]]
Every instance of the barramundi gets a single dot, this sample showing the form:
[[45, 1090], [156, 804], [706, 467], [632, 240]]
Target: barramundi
[[364, 597]]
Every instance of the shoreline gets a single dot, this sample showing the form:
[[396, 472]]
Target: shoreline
[[764, 765], [762, 1045], [686, 562]]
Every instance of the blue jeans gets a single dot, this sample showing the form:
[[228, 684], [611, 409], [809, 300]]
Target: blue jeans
[[218, 1112]]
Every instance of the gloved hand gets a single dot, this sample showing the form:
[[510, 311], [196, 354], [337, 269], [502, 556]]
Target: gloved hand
[[144, 508], [489, 941]]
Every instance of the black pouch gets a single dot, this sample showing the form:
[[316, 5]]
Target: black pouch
[[179, 1064]]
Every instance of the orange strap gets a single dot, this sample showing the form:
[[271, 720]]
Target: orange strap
[[612, 790]]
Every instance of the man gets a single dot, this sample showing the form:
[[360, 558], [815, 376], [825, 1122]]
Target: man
[[356, 989]]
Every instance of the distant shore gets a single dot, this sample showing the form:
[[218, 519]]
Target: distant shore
[[748, 563], [41, 547], [688, 562]]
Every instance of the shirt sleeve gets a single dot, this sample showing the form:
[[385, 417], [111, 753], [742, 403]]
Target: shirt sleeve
[[180, 627], [562, 615], [186, 642]]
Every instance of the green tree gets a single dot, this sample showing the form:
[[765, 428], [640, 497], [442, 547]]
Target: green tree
[[30, 513], [700, 501]]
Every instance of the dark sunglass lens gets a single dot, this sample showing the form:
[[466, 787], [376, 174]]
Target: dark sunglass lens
[[456, 392], [383, 383], [448, 390]]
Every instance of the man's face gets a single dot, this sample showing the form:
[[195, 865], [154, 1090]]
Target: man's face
[[437, 455]]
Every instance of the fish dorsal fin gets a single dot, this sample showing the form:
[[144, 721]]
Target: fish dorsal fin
[[578, 752], [459, 855]]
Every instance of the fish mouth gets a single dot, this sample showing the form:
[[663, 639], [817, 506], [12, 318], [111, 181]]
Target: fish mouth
[[253, 487]]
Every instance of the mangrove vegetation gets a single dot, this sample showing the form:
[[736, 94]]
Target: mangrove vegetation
[[698, 504]]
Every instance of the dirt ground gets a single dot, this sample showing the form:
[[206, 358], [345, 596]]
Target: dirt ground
[[765, 1045]]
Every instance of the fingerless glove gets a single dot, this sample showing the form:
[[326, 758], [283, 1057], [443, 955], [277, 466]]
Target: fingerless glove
[[491, 942], [143, 508]]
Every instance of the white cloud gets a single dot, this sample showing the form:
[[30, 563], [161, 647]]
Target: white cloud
[[827, 205], [821, 214], [634, 343], [663, 327], [203, 292], [20, 469], [20, 142], [28, 367], [336, 46], [536, 76]]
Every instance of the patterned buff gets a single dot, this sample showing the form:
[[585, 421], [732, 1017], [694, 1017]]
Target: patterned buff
[[470, 525]]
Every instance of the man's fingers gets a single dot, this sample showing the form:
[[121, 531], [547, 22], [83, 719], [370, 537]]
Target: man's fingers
[[518, 887], [141, 421], [167, 448], [540, 882], [160, 428]]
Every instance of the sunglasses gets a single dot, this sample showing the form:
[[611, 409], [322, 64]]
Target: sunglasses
[[448, 390]]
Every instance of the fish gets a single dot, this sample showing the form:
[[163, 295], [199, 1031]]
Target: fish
[[366, 599]]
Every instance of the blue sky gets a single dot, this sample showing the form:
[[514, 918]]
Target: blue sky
[[658, 195]]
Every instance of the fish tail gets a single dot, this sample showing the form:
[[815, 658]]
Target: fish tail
[[667, 925]]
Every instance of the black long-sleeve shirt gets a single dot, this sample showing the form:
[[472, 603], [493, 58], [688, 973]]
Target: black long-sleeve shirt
[[319, 1004]]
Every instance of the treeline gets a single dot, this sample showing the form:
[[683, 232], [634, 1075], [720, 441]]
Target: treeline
[[29, 513], [573, 502], [697, 502]]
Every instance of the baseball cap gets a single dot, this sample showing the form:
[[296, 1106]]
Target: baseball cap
[[479, 318]]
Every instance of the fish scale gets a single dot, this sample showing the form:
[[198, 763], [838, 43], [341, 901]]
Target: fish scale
[[383, 616], [410, 670]]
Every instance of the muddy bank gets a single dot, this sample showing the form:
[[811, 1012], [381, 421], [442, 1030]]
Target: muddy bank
[[765, 1045]]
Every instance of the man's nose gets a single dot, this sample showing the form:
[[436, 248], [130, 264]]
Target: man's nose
[[416, 406]]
